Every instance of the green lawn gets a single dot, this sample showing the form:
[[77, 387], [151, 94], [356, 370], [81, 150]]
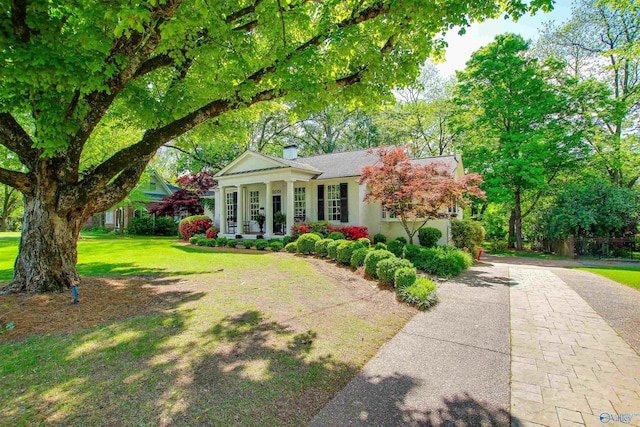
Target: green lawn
[[525, 254], [173, 334], [629, 276]]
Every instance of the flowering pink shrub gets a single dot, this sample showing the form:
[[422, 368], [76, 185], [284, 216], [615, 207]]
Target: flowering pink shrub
[[351, 232], [212, 233], [197, 224]]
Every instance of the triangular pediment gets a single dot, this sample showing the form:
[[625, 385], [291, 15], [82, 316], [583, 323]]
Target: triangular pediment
[[250, 161]]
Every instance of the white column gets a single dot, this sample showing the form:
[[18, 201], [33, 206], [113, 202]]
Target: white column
[[289, 202], [223, 211], [268, 207], [240, 217], [307, 201]]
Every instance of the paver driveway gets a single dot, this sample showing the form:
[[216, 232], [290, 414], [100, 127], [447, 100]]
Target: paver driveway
[[451, 365]]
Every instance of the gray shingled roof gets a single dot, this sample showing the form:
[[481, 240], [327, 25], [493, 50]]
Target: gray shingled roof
[[350, 163]]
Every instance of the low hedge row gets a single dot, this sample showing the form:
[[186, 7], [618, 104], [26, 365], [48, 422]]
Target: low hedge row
[[442, 261]]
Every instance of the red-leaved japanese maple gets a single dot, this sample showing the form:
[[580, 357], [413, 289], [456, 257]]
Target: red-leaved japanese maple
[[416, 193], [186, 200]]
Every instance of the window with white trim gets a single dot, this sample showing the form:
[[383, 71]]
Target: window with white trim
[[108, 217], [387, 215], [231, 206], [333, 202], [300, 203], [254, 205]]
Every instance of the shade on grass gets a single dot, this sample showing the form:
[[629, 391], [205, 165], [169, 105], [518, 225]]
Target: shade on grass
[[629, 276], [257, 339]]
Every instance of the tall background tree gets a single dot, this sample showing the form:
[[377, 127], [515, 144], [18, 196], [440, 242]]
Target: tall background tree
[[517, 125], [166, 67]]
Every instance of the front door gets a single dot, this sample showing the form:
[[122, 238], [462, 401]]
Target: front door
[[277, 207]]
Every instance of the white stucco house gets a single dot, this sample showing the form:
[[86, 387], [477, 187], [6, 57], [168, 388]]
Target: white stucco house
[[305, 189]]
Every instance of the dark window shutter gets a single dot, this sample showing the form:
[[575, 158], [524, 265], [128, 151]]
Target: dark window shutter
[[320, 202], [344, 202], [235, 206]]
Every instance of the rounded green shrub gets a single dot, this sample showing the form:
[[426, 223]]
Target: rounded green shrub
[[411, 252], [332, 248], [373, 258], [210, 242], [261, 244], [286, 240], [386, 269], [307, 243], [429, 236], [248, 244], [401, 239], [467, 234], [276, 246], [222, 241], [366, 243], [422, 293], [291, 247], [321, 247], [201, 241], [405, 276], [344, 252], [380, 246], [395, 247], [358, 256], [336, 235], [232, 243], [379, 238], [193, 240]]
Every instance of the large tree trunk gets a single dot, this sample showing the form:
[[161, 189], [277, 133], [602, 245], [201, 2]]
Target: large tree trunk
[[511, 239], [518, 220], [48, 248]]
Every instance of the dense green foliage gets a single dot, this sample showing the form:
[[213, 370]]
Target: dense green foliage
[[421, 294], [262, 244], [336, 235], [379, 238], [307, 243], [386, 269], [442, 261], [149, 226], [248, 243], [467, 234], [395, 247], [405, 276], [429, 236], [358, 256], [276, 246], [321, 247], [291, 247], [373, 258], [365, 242], [332, 248]]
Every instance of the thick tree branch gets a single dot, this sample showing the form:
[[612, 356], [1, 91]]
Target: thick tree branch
[[14, 137], [119, 188], [17, 180], [19, 20]]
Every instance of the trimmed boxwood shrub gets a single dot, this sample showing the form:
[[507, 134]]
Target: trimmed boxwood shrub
[[321, 247], [366, 243], [202, 241], [429, 236], [411, 252], [422, 293], [222, 241], [191, 225], [248, 244], [307, 243], [405, 276], [401, 239], [380, 246], [386, 269], [261, 244], [336, 235], [344, 252], [193, 240], [210, 242], [291, 247], [467, 234], [232, 243], [379, 238], [332, 248], [395, 247], [358, 256], [276, 246], [373, 258], [443, 261]]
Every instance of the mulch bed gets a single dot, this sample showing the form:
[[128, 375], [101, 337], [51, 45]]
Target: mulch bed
[[101, 300]]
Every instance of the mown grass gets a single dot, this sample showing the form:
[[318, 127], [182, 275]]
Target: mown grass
[[226, 339], [629, 276], [526, 254]]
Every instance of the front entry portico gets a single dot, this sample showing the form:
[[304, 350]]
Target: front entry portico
[[253, 187]]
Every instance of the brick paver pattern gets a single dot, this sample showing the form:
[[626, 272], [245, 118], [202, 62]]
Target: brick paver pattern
[[568, 366]]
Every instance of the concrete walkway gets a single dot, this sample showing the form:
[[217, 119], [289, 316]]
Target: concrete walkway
[[453, 365], [448, 366]]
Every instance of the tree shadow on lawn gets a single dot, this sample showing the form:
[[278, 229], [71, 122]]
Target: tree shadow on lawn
[[127, 269], [157, 370]]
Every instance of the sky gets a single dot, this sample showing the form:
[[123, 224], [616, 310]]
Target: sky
[[480, 34]]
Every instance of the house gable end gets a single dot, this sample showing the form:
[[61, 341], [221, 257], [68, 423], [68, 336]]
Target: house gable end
[[250, 161]]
